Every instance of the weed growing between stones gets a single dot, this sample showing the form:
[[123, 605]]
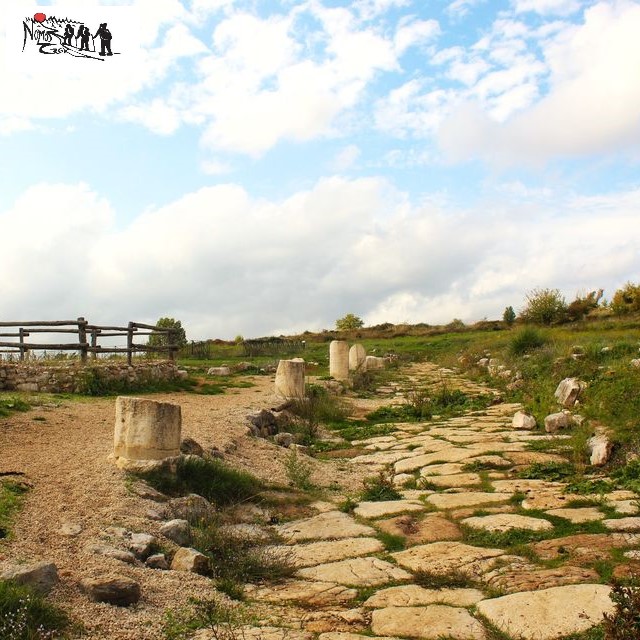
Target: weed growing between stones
[[225, 622], [452, 580], [239, 556], [392, 542], [624, 623], [298, 471], [24, 615], [380, 488]]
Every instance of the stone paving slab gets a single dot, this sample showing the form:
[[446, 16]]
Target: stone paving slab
[[385, 457], [578, 515], [387, 508], [314, 553], [445, 557], [357, 572], [465, 499], [550, 613], [526, 485], [432, 528], [625, 507], [501, 522], [325, 526], [445, 469], [455, 480], [432, 623], [319, 594], [337, 635], [622, 524], [412, 595], [448, 454]]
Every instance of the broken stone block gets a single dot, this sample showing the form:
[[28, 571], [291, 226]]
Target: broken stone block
[[145, 431], [40, 576], [522, 420], [568, 391], [290, 378], [177, 531], [556, 421], [113, 589], [190, 560]]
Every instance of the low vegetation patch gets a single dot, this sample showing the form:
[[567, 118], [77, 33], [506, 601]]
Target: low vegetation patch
[[11, 496], [380, 488], [11, 403], [298, 471], [25, 615], [211, 478], [451, 580], [319, 407]]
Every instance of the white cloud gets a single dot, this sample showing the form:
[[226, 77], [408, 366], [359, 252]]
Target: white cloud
[[592, 103], [225, 262], [346, 158], [547, 7]]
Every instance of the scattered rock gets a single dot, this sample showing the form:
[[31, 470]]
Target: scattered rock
[[157, 561], [600, 448], [190, 560], [147, 492], [190, 447], [568, 391], [219, 371], [178, 531], [40, 576], [70, 529], [192, 508], [141, 544], [112, 589], [112, 552], [522, 420], [284, 439], [264, 423], [556, 421]]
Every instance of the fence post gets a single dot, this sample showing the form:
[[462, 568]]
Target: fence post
[[129, 343], [94, 343], [21, 332], [82, 339], [172, 335]]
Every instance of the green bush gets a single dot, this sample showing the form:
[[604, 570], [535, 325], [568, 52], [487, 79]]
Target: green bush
[[624, 623], [626, 300], [318, 407], [380, 488], [222, 620], [544, 306], [525, 341], [25, 615], [298, 471], [11, 496], [212, 479], [509, 316]]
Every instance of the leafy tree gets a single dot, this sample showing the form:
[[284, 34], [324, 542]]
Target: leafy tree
[[350, 321], [626, 300], [509, 315], [544, 306], [179, 336]]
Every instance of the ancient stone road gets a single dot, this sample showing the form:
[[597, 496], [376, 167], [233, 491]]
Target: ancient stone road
[[348, 584]]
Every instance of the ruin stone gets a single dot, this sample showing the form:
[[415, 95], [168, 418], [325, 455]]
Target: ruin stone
[[290, 379], [523, 420], [568, 391], [112, 589], [600, 448], [339, 359], [145, 431], [556, 421], [357, 357], [374, 362]]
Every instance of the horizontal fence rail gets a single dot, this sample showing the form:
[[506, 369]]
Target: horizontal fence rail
[[88, 338]]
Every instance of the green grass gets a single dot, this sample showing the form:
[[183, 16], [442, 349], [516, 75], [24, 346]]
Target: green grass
[[380, 488], [25, 615], [392, 542], [8, 404], [212, 479], [451, 580], [550, 471], [11, 497]]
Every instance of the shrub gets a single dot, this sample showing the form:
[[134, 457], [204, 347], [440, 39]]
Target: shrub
[[212, 479], [526, 340], [624, 623], [582, 305], [509, 315], [349, 322], [222, 620], [419, 403], [319, 406], [544, 306], [24, 615], [626, 300]]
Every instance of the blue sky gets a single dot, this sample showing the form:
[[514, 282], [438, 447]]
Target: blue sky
[[262, 167]]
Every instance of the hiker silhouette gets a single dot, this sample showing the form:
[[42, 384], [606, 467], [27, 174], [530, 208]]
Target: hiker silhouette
[[105, 39], [84, 35], [68, 35]]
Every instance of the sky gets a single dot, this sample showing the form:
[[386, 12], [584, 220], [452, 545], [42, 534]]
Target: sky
[[264, 168]]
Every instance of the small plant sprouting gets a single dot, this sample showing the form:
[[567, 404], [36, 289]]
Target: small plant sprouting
[[380, 488], [298, 471]]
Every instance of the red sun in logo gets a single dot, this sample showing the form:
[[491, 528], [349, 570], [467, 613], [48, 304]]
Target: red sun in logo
[[39, 17]]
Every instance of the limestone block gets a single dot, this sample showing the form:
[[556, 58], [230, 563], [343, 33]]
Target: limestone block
[[339, 359], [40, 576], [112, 589], [568, 391], [600, 447], [219, 371], [357, 357], [522, 420], [290, 379], [146, 430], [556, 421], [190, 560], [374, 362]]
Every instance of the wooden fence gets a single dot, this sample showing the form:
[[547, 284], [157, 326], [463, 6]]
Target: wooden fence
[[88, 337]]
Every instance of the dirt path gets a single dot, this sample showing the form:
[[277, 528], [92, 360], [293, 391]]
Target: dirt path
[[341, 556]]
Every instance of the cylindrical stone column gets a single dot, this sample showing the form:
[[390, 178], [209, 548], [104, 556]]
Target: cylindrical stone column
[[357, 356], [146, 430], [339, 359], [290, 378]]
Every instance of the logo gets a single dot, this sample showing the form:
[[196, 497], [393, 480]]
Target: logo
[[50, 35]]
